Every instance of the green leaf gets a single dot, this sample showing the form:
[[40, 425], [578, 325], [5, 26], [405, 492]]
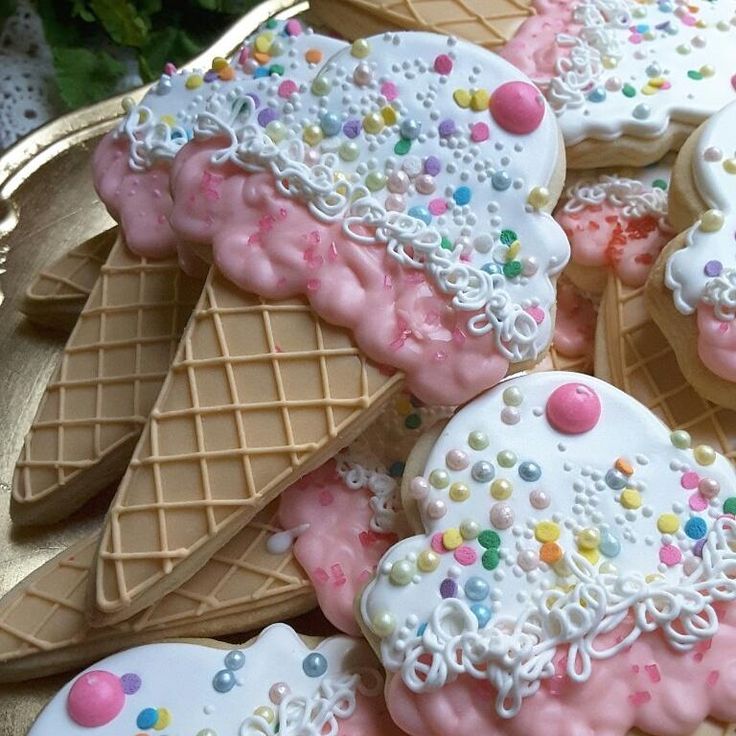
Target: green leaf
[[60, 27], [86, 76], [124, 24], [168, 44], [80, 9]]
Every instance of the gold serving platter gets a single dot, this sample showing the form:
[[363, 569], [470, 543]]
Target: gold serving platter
[[47, 206]]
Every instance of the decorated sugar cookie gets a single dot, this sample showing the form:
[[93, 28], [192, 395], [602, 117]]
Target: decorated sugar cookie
[[616, 224], [575, 322], [692, 291], [131, 164], [353, 501], [628, 80], [576, 556], [277, 683], [405, 193]]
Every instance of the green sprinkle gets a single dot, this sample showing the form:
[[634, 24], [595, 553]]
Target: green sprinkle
[[490, 559], [508, 237], [628, 90], [402, 147], [729, 505], [695, 74], [446, 243], [276, 69], [511, 269], [413, 421], [271, 23], [660, 184], [489, 539]]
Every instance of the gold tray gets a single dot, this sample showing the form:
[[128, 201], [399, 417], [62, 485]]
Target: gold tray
[[47, 206]]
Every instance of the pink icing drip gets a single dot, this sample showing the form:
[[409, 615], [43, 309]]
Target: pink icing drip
[[273, 246], [339, 569], [716, 343], [534, 49], [139, 201], [574, 322], [601, 238], [621, 694]]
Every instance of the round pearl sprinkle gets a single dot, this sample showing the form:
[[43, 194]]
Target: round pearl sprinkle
[[506, 459], [482, 471], [704, 455], [469, 529], [527, 560], [539, 499], [510, 415], [517, 107], [478, 440], [234, 660], [410, 129], [476, 589], [278, 691], [418, 488], [436, 509], [616, 480], [360, 48], [397, 182], [681, 439], [314, 665], [265, 713], [482, 613], [501, 516], [709, 487], [456, 460], [589, 538], [383, 623], [95, 699], [501, 489], [538, 197], [428, 560], [609, 545], [223, 681], [459, 492], [711, 221], [401, 572], [439, 479], [530, 471], [573, 408], [362, 75]]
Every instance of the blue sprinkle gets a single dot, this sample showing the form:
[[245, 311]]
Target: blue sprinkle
[[234, 660], [501, 181], [422, 628], [530, 471], [615, 480], [147, 718], [476, 589], [261, 72], [482, 613], [491, 268], [462, 195], [609, 545], [330, 124], [421, 213], [696, 528], [314, 665], [597, 95], [223, 681]]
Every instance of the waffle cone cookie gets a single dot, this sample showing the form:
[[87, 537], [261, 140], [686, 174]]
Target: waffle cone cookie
[[110, 372], [633, 354], [690, 291], [43, 625], [59, 292], [258, 395]]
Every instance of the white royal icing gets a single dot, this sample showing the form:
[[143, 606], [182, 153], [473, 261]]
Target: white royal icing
[[178, 677], [493, 610], [163, 121], [674, 59], [704, 270], [349, 177]]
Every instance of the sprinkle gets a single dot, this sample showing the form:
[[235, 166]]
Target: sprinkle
[[462, 195], [194, 81], [446, 128], [696, 528], [704, 455], [624, 466], [668, 523], [631, 499], [437, 207], [479, 100], [313, 56], [360, 48], [479, 132], [461, 97], [428, 560], [698, 502], [443, 64], [490, 559], [550, 552], [432, 166], [287, 88], [389, 115], [689, 480], [448, 588], [465, 555], [452, 539], [713, 268], [729, 505], [670, 555], [488, 539], [547, 531]]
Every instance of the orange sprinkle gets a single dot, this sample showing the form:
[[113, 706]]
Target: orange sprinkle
[[313, 56], [550, 553], [227, 73], [261, 57], [624, 466]]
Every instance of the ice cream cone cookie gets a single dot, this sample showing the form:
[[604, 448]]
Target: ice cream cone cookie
[[245, 585], [354, 502], [278, 682], [629, 80], [691, 291], [632, 353], [57, 295], [399, 201], [616, 222], [582, 580]]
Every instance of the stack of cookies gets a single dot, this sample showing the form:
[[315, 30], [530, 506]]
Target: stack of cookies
[[350, 282]]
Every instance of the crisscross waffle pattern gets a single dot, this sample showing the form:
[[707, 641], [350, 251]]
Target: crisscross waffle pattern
[[58, 293], [259, 394], [489, 23], [43, 619], [642, 363], [554, 361], [109, 375]]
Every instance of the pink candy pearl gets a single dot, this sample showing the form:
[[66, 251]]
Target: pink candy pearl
[[517, 107], [502, 515], [436, 509], [456, 460], [539, 499], [709, 487], [397, 182], [362, 75], [95, 699], [424, 184], [278, 692], [311, 157], [573, 408], [395, 203], [527, 560], [419, 488]]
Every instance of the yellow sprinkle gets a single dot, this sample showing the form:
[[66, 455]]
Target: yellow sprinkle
[[589, 538], [592, 555], [668, 523], [388, 114], [360, 48], [263, 42], [452, 539], [480, 99], [459, 492], [704, 454], [631, 499], [648, 90], [265, 712], [403, 406], [164, 719], [373, 122], [730, 165], [653, 576], [538, 197], [312, 135], [168, 120], [428, 560], [547, 531], [657, 81], [461, 97], [609, 62], [501, 489], [219, 63], [194, 81], [513, 250]]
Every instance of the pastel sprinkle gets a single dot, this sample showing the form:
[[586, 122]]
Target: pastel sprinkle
[[479, 132], [670, 555], [689, 480], [443, 64], [465, 555], [697, 502]]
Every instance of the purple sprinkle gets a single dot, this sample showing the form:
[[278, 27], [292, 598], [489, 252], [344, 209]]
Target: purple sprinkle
[[448, 588], [698, 547], [267, 115], [432, 165], [713, 268], [351, 128], [256, 99], [447, 128], [131, 683], [210, 76]]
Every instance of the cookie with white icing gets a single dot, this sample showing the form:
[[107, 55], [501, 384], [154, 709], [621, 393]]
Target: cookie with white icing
[[277, 683], [691, 292], [616, 222], [568, 535], [629, 80]]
